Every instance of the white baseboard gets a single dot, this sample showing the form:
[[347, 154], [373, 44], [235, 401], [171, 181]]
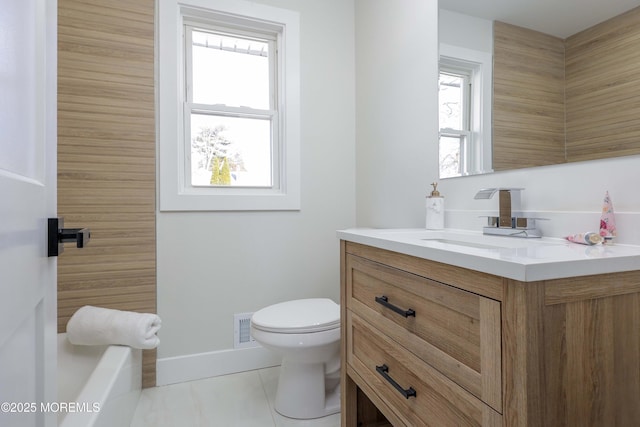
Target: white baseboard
[[171, 370]]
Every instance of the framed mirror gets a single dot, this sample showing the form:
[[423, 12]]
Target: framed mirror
[[526, 84]]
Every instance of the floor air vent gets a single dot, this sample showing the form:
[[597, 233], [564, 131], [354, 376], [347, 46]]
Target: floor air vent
[[242, 331]]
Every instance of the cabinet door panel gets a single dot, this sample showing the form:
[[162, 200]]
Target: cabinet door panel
[[455, 331], [393, 372]]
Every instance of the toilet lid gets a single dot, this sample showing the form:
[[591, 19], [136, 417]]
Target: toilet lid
[[298, 316]]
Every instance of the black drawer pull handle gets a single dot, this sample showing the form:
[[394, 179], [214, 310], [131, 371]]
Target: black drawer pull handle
[[385, 301], [383, 370]]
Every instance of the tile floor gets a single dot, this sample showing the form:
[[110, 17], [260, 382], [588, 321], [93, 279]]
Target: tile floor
[[238, 400]]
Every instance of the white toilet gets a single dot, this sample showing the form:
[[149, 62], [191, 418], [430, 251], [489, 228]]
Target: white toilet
[[306, 333]]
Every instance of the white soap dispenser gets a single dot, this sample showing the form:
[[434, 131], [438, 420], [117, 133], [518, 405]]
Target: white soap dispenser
[[435, 209]]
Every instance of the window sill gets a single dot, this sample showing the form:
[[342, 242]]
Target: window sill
[[257, 200]]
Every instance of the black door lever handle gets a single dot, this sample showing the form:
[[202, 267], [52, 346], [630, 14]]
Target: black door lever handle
[[57, 235], [80, 236]]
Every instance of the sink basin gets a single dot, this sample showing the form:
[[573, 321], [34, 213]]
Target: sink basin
[[462, 238], [465, 243], [477, 240]]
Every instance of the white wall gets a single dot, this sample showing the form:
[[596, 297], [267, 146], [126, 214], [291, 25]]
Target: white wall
[[465, 31], [214, 264], [397, 110]]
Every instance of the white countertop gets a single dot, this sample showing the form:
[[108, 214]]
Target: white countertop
[[516, 258]]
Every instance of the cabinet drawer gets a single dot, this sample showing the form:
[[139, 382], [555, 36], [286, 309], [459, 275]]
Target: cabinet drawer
[[455, 331], [417, 393]]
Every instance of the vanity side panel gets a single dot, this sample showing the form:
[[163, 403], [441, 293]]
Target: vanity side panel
[[555, 351], [348, 392], [627, 359], [522, 355], [483, 284], [592, 358], [589, 336]]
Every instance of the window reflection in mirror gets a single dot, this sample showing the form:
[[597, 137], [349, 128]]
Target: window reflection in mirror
[[454, 87], [465, 112]]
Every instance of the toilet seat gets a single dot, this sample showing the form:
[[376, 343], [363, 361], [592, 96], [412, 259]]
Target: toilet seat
[[298, 316]]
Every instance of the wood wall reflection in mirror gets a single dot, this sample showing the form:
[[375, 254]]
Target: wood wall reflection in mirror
[[596, 91], [528, 98]]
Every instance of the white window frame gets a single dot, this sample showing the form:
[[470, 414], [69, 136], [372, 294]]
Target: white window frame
[[477, 153], [174, 139], [463, 134], [271, 114]]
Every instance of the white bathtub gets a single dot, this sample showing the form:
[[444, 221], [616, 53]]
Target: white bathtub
[[100, 384]]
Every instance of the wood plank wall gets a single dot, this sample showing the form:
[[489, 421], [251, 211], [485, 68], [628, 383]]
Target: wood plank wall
[[548, 112], [106, 157], [603, 88], [528, 98]]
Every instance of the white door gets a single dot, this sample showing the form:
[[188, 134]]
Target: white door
[[27, 198]]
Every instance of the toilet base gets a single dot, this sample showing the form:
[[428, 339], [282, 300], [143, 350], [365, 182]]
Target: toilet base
[[302, 391]]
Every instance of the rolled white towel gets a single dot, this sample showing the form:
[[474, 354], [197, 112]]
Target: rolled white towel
[[96, 326]]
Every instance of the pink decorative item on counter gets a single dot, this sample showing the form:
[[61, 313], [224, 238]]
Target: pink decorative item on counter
[[608, 220]]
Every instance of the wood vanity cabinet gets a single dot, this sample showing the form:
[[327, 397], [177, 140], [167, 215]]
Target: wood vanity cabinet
[[426, 343]]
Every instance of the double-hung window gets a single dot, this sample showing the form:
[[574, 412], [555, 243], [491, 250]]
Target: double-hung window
[[231, 115], [465, 111], [455, 120], [229, 107]]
